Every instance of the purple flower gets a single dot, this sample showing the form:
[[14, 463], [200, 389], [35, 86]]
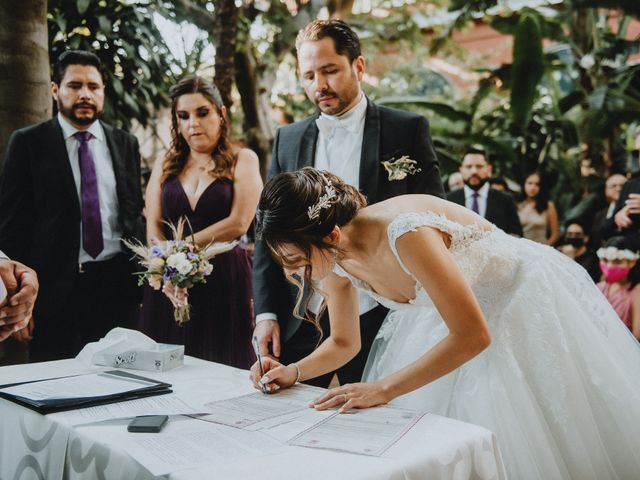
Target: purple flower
[[156, 251], [169, 273], [192, 256]]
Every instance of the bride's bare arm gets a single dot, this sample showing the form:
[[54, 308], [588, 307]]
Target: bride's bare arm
[[340, 347], [344, 342], [426, 256]]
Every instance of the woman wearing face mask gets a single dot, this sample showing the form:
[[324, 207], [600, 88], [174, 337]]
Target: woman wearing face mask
[[215, 184], [616, 261], [575, 244]]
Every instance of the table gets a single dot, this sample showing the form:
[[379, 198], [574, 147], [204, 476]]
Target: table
[[33, 446]]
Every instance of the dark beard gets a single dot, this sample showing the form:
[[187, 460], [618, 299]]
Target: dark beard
[[478, 186], [70, 113]]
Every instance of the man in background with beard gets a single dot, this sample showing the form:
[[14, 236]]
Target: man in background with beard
[[497, 207], [69, 194]]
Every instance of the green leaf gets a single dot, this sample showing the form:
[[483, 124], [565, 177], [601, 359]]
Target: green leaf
[[105, 24], [83, 5], [569, 101], [442, 109], [528, 69]]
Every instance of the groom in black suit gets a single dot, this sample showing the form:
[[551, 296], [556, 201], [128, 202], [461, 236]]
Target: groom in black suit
[[477, 195], [352, 137], [69, 194]]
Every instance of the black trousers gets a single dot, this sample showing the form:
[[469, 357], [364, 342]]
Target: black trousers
[[104, 295], [305, 340]]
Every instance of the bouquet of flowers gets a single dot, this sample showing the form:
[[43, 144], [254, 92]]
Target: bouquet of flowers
[[177, 263]]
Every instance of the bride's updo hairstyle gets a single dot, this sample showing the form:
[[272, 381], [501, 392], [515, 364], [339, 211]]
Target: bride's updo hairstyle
[[300, 209]]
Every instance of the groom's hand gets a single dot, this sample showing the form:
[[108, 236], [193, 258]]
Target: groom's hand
[[268, 331]]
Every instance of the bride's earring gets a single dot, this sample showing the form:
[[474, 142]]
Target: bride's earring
[[335, 260]]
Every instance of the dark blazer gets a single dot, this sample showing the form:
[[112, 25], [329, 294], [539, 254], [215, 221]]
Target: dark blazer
[[388, 133], [501, 210], [39, 205], [609, 227]]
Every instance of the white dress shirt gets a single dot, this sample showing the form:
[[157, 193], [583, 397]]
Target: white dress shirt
[[340, 143], [483, 193], [338, 151], [111, 227]]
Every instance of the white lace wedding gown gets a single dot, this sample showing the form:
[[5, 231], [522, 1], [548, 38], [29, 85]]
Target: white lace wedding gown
[[560, 383]]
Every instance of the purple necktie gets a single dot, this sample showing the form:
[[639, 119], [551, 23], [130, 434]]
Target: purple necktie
[[91, 221], [474, 202]]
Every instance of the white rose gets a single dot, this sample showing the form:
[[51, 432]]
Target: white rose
[[184, 267], [176, 259]]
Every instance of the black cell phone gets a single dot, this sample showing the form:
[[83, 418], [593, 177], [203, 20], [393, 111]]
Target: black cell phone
[[147, 423]]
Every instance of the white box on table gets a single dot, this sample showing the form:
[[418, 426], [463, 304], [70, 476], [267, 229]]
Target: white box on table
[[164, 357]]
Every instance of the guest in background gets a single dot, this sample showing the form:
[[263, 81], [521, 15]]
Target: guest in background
[[575, 244], [538, 215], [455, 181], [499, 184], [617, 260], [612, 188], [589, 198], [497, 207], [18, 292], [69, 193], [626, 219], [216, 186]]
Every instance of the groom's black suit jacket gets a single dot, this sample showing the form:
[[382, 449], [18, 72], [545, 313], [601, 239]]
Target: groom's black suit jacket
[[501, 210], [40, 210], [388, 133]]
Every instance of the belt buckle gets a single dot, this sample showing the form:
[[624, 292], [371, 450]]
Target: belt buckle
[[80, 268]]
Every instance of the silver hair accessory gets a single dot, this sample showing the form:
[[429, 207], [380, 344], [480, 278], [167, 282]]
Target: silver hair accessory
[[613, 253], [323, 202]]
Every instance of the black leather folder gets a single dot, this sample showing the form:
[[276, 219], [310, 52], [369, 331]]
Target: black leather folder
[[50, 405]]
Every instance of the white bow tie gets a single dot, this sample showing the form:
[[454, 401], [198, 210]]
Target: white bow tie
[[328, 125]]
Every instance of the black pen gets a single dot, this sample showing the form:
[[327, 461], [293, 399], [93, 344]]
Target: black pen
[[255, 341]]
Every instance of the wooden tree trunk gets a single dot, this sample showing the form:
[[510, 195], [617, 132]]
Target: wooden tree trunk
[[225, 30], [254, 92], [25, 96]]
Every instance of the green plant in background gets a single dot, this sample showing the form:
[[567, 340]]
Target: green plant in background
[[125, 37]]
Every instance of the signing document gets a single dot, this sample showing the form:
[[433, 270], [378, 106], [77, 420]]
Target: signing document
[[171, 404], [254, 408], [368, 432]]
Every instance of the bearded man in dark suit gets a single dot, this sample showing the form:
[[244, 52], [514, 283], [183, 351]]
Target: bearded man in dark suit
[[361, 142], [497, 207], [69, 194]]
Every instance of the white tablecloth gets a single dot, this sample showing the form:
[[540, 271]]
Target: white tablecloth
[[33, 446]]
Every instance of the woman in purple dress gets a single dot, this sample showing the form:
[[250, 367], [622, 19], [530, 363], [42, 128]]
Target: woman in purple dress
[[216, 186]]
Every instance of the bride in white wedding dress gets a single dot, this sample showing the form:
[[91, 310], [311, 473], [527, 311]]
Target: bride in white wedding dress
[[485, 328]]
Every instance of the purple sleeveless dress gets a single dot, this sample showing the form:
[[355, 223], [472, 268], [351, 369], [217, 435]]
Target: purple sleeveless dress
[[221, 322]]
